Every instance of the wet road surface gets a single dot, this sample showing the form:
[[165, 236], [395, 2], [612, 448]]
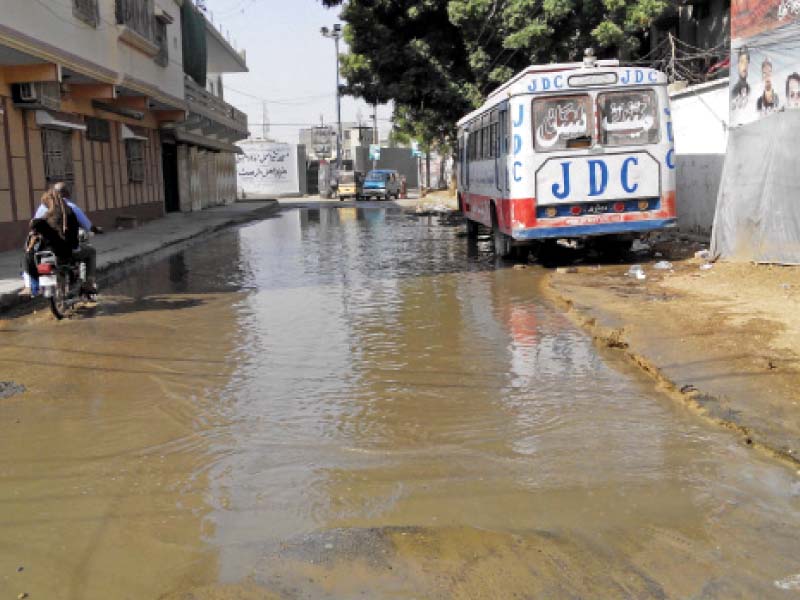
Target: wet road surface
[[353, 403]]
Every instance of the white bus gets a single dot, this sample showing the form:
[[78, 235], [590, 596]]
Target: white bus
[[571, 150]]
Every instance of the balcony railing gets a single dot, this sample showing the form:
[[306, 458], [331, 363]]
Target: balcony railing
[[203, 102], [136, 15]]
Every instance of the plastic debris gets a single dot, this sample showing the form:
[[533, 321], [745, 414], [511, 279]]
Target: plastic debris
[[639, 246], [566, 270], [663, 265], [789, 583], [702, 254], [637, 272], [706, 266]]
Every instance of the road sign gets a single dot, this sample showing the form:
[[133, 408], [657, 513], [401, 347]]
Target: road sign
[[415, 151], [374, 152]]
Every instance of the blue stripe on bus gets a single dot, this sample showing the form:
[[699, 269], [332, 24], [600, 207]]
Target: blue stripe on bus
[[589, 230]]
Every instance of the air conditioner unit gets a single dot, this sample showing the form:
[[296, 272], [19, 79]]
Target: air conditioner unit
[[37, 94]]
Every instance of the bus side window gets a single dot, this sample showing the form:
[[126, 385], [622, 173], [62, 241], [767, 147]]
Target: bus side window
[[504, 132]]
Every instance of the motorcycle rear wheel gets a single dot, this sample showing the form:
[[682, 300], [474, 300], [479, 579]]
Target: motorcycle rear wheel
[[59, 304]]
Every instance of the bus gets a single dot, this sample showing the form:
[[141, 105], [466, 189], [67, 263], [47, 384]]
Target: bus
[[569, 151]]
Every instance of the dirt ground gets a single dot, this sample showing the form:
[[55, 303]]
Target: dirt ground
[[724, 337]]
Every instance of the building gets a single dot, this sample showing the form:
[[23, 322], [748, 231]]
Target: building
[[89, 90], [320, 141], [199, 153]]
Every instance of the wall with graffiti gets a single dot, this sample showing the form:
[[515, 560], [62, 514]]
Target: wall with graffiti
[[267, 169], [765, 58]]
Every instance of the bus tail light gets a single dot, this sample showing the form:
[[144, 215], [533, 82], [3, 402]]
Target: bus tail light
[[550, 212], [619, 207], [575, 210], [644, 205]]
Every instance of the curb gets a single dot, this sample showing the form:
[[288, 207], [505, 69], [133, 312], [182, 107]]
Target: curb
[[12, 300], [701, 403]]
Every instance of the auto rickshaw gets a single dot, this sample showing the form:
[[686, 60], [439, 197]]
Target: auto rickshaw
[[351, 185]]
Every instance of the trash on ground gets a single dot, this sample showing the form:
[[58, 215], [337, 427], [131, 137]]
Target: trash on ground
[[9, 388], [706, 266], [637, 272], [663, 265], [566, 270], [657, 254], [789, 583], [702, 254], [639, 246]]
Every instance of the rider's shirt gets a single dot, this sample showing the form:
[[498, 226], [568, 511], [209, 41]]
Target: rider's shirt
[[83, 220]]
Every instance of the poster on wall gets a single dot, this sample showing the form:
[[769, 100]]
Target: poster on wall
[[765, 58], [267, 169]]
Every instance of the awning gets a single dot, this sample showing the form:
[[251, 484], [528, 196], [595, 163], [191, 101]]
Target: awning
[[204, 142], [54, 120], [131, 133]]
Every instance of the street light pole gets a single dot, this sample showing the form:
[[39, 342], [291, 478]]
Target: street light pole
[[336, 34]]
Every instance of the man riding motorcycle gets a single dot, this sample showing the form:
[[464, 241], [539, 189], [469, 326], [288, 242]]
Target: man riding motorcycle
[[55, 225]]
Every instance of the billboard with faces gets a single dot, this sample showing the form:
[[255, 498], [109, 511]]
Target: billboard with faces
[[765, 58]]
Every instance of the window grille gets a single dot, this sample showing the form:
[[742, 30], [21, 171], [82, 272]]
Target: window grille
[[98, 130], [136, 14], [160, 29], [134, 153], [57, 149], [86, 11]]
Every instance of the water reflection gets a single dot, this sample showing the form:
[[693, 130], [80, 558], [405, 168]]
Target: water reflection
[[391, 376], [357, 403]]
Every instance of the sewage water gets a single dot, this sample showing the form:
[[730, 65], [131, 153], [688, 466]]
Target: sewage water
[[356, 403]]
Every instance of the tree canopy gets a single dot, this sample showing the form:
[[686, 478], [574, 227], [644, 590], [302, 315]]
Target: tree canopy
[[438, 59]]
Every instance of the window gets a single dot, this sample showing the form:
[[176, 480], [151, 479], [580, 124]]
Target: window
[[628, 118], [136, 14], [134, 154], [562, 122], [98, 130], [57, 149], [161, 40], [86, 11]]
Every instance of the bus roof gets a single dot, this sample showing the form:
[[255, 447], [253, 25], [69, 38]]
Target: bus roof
[[565, 77]]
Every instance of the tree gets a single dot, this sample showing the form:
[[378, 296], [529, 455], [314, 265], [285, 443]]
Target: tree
[[437, 59]]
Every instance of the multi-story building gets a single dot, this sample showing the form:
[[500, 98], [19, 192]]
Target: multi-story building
[[200, 151], [320, 141], [90, 93]]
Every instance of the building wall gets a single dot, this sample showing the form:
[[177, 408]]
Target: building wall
[[399, 159], [49, 30], [205, 178], [700, 116], [100, 185], [698, 178]]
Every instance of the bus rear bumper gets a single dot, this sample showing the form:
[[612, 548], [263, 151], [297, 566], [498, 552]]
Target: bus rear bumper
[[579, 231]]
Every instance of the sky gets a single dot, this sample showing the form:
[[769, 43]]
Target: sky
[[292, 66]]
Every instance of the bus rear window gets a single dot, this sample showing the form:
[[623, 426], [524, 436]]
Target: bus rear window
[[628, 118], [562, 122]]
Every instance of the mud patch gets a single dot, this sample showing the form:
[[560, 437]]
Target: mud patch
[[9, 388]]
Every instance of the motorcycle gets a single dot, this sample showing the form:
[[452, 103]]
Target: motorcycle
[[63, 283]]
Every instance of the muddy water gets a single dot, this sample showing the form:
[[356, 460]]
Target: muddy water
[[353, 403]]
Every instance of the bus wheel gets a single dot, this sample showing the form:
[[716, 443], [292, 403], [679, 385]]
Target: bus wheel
[[502, 242]]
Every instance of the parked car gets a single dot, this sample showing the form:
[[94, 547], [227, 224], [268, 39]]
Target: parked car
[[351, 184], [382, 184]]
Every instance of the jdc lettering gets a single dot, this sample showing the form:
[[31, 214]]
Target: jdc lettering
[[598, 178]]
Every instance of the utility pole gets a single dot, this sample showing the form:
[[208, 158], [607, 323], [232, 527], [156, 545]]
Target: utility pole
[[264, 121], [375, 137], [336, 34]]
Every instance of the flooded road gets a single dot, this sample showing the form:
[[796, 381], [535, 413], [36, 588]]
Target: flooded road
[[352, 403]]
